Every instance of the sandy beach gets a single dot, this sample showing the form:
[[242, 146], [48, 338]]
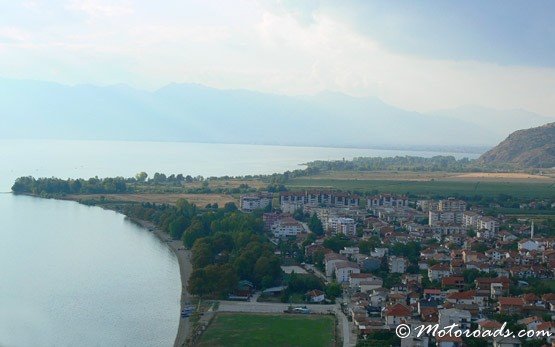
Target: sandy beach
[[185, 269]]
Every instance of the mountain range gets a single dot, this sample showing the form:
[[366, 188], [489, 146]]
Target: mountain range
[[527, 148], [196, 113]]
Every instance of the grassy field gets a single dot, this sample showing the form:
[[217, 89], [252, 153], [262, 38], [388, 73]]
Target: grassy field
[[229, 329], [165, 198], [520, 188]]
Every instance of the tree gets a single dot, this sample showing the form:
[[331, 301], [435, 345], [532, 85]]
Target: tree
[[333, 290], [230, 207], [267, 266], [177, 227], [192, 233], [337, 242], [315, 225], [141, 176]]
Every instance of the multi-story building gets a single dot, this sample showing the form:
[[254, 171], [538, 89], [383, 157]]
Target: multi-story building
[[489, 223], [397, 264], [251, 202], [344, 269], [451, 205], [438, 217], [318, 198], [386, 200], [287, 227], [342, 225]]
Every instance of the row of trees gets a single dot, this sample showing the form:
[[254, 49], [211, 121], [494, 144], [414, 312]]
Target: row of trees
[[227, 245], [57, 186], [401, 163]]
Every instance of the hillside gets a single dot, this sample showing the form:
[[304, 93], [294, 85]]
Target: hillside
[[528, 148], [196, 113]]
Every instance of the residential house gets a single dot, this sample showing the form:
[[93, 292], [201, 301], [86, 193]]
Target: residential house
[[396, 314]]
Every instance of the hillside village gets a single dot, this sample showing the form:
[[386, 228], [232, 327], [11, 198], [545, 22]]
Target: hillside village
[[416, 262]]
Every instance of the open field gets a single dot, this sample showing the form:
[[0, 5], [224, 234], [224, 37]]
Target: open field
[[162, 198], [436, 176], [238, 329], [524, 188]]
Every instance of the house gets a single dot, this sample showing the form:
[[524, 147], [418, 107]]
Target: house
[[528, 245], [355, 279], [329, 262], [396, 314], [364, 282], [371, 284], [316, 295], [438, 271], [397, 264], [510, 305], [344, 269], [489, 325], [453, 282], [466, 298], [531, 323], [450, 316], [434, 294]]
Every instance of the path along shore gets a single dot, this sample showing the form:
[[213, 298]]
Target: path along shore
[[185, 268]]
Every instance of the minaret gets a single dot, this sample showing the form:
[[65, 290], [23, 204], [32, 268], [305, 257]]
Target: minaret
[[532, 231]]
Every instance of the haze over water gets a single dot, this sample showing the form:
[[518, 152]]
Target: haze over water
[[76, 275]]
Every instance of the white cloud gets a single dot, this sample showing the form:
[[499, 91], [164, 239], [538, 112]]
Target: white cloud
[[253, 45], [96, 8]]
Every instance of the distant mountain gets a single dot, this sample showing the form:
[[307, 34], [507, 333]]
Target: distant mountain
[[527, 148], [195, 113], [499, 122]]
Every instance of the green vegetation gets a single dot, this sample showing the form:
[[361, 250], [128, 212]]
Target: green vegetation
[[433, 189], [227, 245], [56, 186], [269, 330], [402, 163]]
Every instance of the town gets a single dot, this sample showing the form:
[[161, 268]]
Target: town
[[414, 261]]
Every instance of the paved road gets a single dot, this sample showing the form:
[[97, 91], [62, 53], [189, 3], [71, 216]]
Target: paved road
[[268, 307]]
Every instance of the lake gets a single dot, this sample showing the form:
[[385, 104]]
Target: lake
[[77, 275]]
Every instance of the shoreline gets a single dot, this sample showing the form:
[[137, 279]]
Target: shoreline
[[185, 269], [183, 259]]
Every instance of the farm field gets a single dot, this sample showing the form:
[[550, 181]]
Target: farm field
[[159, 198], [231, 329], [435, 186]]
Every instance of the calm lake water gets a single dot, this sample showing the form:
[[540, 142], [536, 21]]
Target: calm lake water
[[72, 275]]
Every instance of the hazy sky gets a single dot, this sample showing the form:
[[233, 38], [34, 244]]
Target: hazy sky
[[416, 55]]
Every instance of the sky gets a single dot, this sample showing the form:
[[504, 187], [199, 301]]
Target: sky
[[417, 55]]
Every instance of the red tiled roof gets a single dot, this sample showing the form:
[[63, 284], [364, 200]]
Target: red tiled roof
[[462, 295], [490, 324], [511, 301], [398, 310]]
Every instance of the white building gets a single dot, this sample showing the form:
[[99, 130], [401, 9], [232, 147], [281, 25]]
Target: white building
[[438, 217], [329, 262], [451, 316], [344, 269], [397, 264], [342, 225], [386, 200], [251, 202], [489, 223], [287, 227]]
